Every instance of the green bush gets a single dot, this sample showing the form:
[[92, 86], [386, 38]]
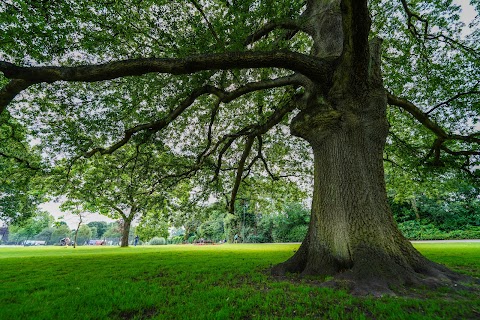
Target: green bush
[[420, 230], [176, 240], [257, 238], [297, 233], [415, 230], [157, 241], [472, 232]]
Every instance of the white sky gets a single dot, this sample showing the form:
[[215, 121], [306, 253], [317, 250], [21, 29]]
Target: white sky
[[468, 12], [72, 220], [467, 15]]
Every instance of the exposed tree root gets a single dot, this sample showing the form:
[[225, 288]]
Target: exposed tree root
[[375, 274]]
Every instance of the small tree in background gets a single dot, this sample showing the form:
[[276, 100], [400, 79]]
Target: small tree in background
[[100, 227], [152, 225]]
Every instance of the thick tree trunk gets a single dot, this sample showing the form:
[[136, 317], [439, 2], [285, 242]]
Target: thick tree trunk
[[352, 234], [125, 232]]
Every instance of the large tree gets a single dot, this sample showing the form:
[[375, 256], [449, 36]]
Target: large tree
[[125, 185], [91, 77]]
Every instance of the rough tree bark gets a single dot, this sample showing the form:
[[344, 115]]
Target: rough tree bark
[[352, 235], [125, 232]]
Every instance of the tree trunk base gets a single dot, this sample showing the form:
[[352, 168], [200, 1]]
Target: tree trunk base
[[374, 273]]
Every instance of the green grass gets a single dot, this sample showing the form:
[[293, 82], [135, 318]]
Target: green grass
[[203, 282]]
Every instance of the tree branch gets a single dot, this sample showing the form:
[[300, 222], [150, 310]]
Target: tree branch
[[410, 16], [26, 163], [455, 97], [213, 115], [426, 35], [210, 26], [442, 135], [122, 214], [153, 126], [417, 114], [315, 68], [252, 130], [224, 96], [287, 24], [239, 175], [261, 157], [11, 90], [22, 77]]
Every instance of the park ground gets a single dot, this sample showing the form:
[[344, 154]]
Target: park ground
[[207, 282]]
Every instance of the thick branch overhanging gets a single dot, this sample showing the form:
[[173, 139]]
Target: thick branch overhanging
[[318, 69]]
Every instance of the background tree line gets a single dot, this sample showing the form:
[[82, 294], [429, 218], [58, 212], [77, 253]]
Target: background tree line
[[446, 209], [43, 227]]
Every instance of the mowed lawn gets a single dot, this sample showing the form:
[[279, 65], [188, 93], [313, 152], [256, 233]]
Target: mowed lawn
[[205, 282]]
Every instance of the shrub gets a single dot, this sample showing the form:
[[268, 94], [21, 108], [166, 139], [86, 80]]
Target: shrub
[[176, 240], [256, 238], [297, 233], [157, 241], [415, 230]]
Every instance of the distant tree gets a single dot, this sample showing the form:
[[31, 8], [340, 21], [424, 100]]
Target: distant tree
[[113, 231], [291, 224], [30, 228], [60, 232], [125, 185], [46, 235], [101, 227], [94, 232], [75, 207], [84, 234], [152, 225]]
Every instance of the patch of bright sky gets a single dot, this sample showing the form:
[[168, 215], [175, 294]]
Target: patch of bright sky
[[72, 220], [468, 11]]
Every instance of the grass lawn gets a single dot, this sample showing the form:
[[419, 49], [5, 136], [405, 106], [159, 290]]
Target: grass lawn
[[204, 282]]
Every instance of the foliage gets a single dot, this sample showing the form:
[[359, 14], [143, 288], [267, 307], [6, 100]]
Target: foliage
[[46, 235], [450, 213], [113, 231], [157, 241], [31, 227], [292, 224], [213, 276], [125, 185], [100, 227], [60, 232], [20, 172], [152, 225], [439, 76], [84, 234], [176, 240]]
